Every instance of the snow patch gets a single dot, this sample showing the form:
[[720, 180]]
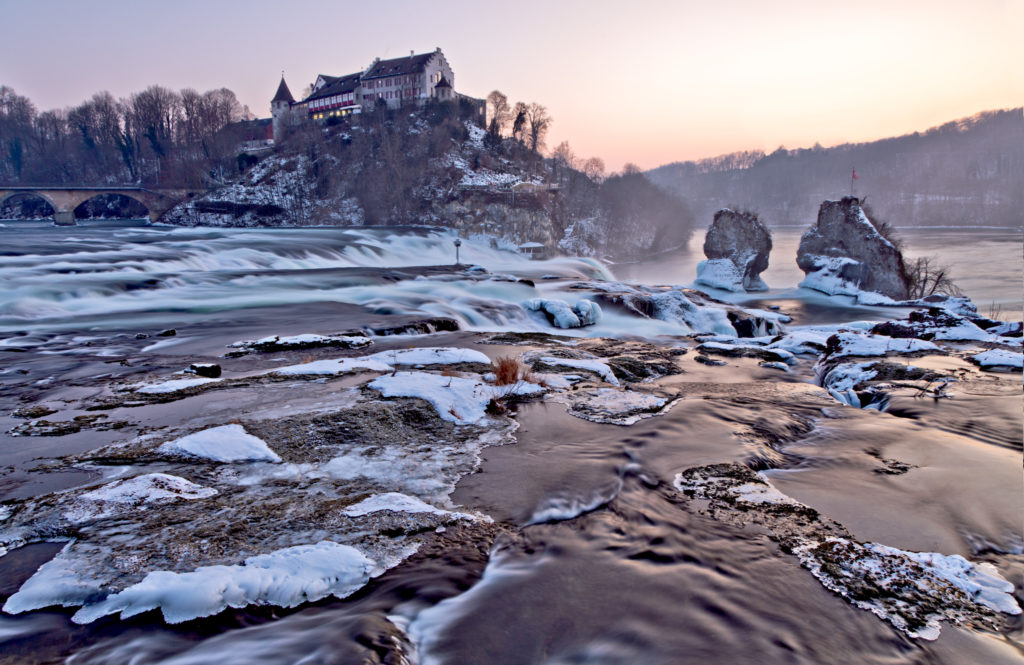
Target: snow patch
[[135, 493], [171, 386], [226, 443], [399, 503], [999, 358]]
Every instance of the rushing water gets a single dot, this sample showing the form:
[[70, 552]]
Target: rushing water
[[593, 558]]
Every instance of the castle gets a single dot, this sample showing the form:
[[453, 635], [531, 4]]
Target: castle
[[412, 79]]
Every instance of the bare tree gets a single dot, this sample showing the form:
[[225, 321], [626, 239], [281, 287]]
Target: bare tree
[[926, 277], [594, 168], [538, 123], [519, 112], [499, 112]]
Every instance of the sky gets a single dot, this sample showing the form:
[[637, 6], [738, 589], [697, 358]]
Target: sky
[[635, 81]]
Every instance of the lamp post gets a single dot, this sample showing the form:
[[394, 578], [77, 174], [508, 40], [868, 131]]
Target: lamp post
[[458, 243]]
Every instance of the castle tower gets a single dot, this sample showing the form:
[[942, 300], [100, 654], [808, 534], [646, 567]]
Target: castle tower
[[280, 107]]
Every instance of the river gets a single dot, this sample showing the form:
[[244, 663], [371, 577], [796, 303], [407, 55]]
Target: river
[[584, 552]]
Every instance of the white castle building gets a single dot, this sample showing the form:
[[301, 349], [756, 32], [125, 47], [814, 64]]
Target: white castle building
[[411, 79]]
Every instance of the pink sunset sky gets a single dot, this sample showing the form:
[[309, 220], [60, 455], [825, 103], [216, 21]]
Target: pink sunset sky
[[641, 81]]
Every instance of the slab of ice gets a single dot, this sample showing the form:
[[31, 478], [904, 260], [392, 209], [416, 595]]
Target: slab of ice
[[596, 366], [333, 367], [999, 358], [802, 340], [852, 343], [399, 503], [133, 494], [431, 356], [171, 386], [385, 361], [226, 443], [456, 399], [285, 578]]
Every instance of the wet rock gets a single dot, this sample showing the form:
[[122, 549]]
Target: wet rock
[[422, 327], [933, 324], [746, 351], [209, 370], [737, 246], [708, 360], [913, 591], [34, 411], [843, 253], [170, 332]]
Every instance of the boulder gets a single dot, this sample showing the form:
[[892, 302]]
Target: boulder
[[737, 246], [561, 315], [844, 254]]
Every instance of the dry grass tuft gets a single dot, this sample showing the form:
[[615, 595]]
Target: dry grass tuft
[[508, 370], [306, 360]]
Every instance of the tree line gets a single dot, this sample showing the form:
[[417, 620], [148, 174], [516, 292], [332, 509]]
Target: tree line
[[157, 136], [965, 172]]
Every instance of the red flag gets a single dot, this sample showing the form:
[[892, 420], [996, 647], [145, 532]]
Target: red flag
[[855, 174]]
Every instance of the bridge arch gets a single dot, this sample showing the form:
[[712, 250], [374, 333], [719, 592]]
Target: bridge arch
[[135, 206], [7, 196]]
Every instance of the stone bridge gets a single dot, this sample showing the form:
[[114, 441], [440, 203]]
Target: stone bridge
[[65, 199]]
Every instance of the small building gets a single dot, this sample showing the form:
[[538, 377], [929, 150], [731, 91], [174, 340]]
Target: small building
[[334, 96], [281, 108], [534, 250], [256, 134]]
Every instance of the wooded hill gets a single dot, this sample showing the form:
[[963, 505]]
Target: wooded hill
[[968, 172]]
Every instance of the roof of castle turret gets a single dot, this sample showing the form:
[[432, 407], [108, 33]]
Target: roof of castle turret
[[283, 93]]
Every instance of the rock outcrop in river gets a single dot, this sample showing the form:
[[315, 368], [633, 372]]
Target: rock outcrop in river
[[844, 254], [737, 246]]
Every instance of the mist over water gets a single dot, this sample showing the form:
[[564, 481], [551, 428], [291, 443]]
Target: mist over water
[[986, 264]]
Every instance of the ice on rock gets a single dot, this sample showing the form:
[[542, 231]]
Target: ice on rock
[[399, 503], [720, 274], [56, 583], [999, 358], [561, 315], [333, 367], [171, 386], [132, 494], [385, 361], [596, 366], [456, 399], [853, 343], [887, 569], [226, 443], [825, 277], [839, 381], [285, 578]]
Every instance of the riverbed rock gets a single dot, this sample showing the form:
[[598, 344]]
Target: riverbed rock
[[844, 254], [737, 246]]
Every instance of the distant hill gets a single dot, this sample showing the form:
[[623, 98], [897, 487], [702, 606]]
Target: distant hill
[[968, 172]]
